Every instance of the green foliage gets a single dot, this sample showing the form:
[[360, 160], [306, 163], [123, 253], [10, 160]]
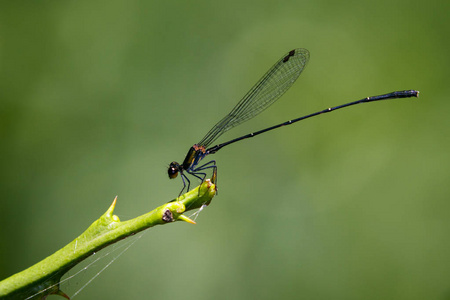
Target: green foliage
[[43, 278]]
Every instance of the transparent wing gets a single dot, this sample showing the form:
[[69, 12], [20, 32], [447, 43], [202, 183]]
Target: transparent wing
[[264, 93]]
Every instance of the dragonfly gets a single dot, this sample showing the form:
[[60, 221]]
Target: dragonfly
[[275, 82]]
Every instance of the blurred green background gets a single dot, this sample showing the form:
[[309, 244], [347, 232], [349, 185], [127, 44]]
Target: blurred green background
[[98, 97]]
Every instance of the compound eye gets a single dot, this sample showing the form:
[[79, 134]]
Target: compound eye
[[173, 170]]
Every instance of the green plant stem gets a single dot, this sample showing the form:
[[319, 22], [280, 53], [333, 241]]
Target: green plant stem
[[42, 279]]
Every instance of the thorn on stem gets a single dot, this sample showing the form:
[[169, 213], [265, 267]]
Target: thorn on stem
[[186, 219]]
